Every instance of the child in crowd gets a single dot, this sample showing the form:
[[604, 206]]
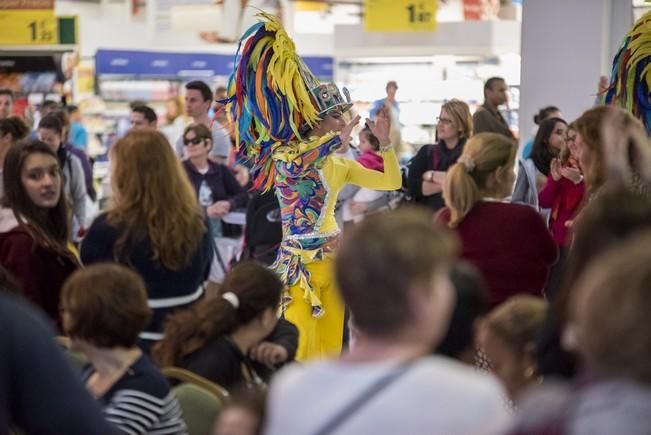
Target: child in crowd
[[508, 337], [367, 200]]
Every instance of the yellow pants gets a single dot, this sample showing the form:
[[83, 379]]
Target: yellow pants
[[320, 337]]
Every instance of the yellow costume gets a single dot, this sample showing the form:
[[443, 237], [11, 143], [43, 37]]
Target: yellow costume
[[272, 96]]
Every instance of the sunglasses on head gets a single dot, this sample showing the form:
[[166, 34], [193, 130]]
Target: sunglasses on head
[[195, 141]]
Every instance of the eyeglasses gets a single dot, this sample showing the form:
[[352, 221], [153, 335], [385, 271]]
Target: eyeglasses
[[444, 121], [195, 141]]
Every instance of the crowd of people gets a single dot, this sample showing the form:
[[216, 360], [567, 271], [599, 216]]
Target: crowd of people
[[505, 293]]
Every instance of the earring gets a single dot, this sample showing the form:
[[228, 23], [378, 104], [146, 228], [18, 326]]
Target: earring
[[529, 372]]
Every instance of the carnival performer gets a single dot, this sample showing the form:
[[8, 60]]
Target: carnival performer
[[288, 126], [630, 81]]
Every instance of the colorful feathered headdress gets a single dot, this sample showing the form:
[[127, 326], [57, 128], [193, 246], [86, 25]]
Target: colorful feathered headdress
[[273, 96], [630, 81]]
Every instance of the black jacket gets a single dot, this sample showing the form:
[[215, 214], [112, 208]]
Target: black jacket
[[435, 157]]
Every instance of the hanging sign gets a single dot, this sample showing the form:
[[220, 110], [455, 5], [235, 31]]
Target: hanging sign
[[400, 15], [28, 22]]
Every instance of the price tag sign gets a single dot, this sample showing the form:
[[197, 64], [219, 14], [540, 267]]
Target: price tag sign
[[28, 22], [400, 15]]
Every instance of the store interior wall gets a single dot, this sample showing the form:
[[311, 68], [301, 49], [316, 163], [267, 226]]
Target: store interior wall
[[111, 25], [566, 47]]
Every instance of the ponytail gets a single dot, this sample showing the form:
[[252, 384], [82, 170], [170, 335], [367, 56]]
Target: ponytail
[[460, 193], [247, 292], [190, 330], [482, 156]]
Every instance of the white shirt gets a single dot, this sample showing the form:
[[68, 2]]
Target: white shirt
[[436, 396]]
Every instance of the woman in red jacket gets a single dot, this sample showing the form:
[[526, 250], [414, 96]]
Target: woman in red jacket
[[509, 243], [563, 193], [34, 225]]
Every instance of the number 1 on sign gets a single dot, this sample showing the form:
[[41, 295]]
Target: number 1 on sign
[[419, 15], [40, 27]]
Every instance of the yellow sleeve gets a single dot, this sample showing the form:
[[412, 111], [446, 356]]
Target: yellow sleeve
[[390, 179]]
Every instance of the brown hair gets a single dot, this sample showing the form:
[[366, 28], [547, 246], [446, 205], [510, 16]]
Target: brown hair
[[14, 126], [200, 131], [460, 115], [154, 199], [482, 156], [517, 322], [106, 304], [607, 160], [50, 229], [381, 259], [611, 308], [257, 289]]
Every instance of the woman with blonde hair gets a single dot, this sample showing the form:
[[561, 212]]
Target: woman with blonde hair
[[428, 168], [154, 225], [509, 243]]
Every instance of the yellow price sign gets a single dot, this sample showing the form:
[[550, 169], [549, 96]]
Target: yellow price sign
[[28, 27], [400, 15]]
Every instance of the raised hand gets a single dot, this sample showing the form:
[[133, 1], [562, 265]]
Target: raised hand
[[345, 132], [381, 127]]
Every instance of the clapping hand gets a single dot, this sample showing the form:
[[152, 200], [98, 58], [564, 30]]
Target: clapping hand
[[572, 174], [381, 127]]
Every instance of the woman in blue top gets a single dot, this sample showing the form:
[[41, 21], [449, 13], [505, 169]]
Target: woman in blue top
[[154, 226]]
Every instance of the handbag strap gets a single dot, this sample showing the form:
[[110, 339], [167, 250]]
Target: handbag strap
[[365, 397]]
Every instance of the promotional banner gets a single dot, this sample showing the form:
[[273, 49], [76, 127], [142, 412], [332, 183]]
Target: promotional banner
[[28, 22], [400, 15]]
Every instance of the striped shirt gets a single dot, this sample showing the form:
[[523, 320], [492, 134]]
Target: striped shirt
[[142, 402]]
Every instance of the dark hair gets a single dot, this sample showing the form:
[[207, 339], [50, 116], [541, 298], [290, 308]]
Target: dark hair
[[384, 257], [50, 229], [372, 139], [147, 112], [14, 126], [136, 103], [202, 87], [52, 122], [49, 104], [471, 304], [257, 289], [488, 85], [72, 109], [544, 114], [5, 91], [391, 83], [542, 152], [107, 305], [200, 131]]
